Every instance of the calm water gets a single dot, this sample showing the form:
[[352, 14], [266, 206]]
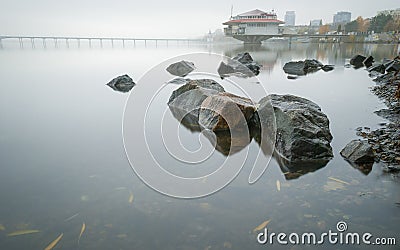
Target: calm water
[[63, 160]]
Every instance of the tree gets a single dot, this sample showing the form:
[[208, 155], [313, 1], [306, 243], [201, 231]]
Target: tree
[[362, 25], [352, 26], [379, 22], [324, 29], [393, 25]]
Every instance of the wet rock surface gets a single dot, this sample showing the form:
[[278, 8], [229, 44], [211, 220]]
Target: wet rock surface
[[358, 151], [241, 65], [302, 129], [301, 68], [225, 111], [121, 83], [182, 68], [385, 141]]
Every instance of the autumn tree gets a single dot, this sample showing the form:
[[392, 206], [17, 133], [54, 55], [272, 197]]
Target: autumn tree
[[324, 29], [362, 25]]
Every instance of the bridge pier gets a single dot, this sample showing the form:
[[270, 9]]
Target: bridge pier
[[123, 43], [21, 44], [145, 43], [55, 43], [101, 43], [44, 43], [33, 43], [90, 43], [67, 42], [1, 43], [79, 42], [112, 43]]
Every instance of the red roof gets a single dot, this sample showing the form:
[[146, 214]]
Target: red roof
[[259, 20]]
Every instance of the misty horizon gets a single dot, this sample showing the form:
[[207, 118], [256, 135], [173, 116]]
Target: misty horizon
[[151, 19]]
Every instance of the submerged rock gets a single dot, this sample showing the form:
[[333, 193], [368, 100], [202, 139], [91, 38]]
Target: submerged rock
[[179, 81], [182, 68], [302, 129], [225, 111], [121, 83], [358, 152]]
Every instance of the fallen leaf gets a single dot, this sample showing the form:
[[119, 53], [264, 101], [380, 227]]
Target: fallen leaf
[[278, 185], [54, 242], [227, 244], [82, 230], [261, 226], [2, 228], [131, 198], [22, 232]]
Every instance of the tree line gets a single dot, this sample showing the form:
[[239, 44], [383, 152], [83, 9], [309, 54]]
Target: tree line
[[380, 23]]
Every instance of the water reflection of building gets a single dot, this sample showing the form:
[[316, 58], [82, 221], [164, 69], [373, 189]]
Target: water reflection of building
[[253, 26]]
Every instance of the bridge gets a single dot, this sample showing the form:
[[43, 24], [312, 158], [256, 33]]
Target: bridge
[[67, 39]]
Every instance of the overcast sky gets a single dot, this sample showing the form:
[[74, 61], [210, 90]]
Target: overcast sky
[[150, 18]]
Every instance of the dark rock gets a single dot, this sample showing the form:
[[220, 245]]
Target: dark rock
[[392, 168], [383, 79], [302, 129], [327, 68], [241, 65], [357, 60], [394, 66], [368, 61], [225, 111], [358, 152], [121, 83], [243, 58], [182, 68], [301, 68], [295, 68], [185, 102], [380, 68], [290, 77]]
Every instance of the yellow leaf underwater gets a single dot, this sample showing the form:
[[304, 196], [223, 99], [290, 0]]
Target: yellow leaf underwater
[[261, 226], [278, 185], [82, 230], [130, 198], [54, 242], [2, 228], [22, 232], [337, 180]]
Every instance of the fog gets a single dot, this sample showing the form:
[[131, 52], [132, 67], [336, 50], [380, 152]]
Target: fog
[[169, 19]]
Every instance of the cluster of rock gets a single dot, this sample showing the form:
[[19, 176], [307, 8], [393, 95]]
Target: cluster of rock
[[384, 143], [241, 65], [302, 129], [121, 83], [301, 68]]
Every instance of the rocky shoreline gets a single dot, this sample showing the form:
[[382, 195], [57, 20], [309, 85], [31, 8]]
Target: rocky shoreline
[[385, 141]]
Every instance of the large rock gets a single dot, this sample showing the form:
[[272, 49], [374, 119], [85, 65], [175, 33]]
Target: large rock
[[185, 102], [241, 65], [225, 111], [368, 61], [121, 83], [393, 66], [302, 129], [357, 60], [380, 68], [358, 152], [301, 68], [182, 68]]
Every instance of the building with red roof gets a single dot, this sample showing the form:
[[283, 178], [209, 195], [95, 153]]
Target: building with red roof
[[253, 26]]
